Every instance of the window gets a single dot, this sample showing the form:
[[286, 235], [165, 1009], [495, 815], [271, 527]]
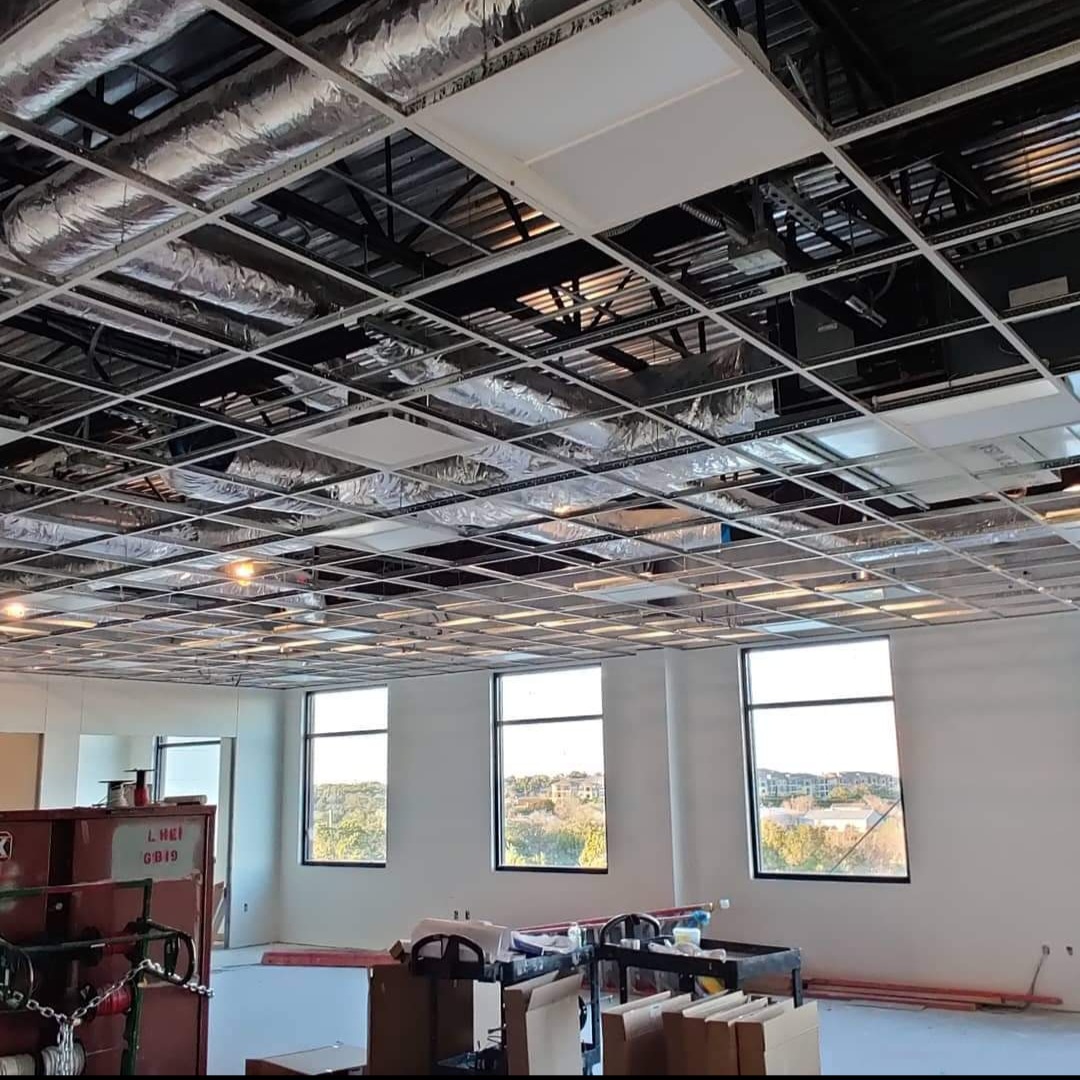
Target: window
[[346, 747], [549, 761], [188, 766], [824, 770]]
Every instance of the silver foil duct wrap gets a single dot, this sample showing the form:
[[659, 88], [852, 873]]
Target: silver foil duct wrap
[[49, 52], [265, 116], [534, 398], [221, 270]]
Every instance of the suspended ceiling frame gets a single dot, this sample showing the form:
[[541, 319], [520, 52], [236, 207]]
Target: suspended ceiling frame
[[388, 301]]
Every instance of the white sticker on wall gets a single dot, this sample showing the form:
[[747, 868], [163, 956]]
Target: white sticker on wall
[[163, 849]]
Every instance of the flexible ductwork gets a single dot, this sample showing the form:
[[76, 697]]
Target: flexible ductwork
[[79, 524], [281, 466], [224, 271], [532, 399], [72, 304], [264, 117], [50, 50]]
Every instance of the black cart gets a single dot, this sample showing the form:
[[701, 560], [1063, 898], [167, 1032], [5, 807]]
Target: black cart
[[460, 958], [744, 962]]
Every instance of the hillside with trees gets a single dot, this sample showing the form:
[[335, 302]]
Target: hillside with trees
[[554, 821]]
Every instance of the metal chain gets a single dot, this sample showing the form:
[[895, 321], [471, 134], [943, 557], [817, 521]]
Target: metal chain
[[161, 973], [67, 1057]]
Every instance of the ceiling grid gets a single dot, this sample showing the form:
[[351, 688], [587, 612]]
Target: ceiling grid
[[779, 405]]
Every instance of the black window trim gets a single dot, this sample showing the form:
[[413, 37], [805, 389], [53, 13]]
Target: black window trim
[[496, 758], [307, 736], [162, 745], [751, 777]]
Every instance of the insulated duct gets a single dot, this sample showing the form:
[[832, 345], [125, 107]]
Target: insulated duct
[[261, 118], [72, 304], [48, 51], [79, 524], [533, 399]]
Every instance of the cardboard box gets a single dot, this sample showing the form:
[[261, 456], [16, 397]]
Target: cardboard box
[[674, 1043], [671, 1016], [780, 1041], [414, 1022], [633, 1036], [543, 1027], [720, 1040], [688, 1033]]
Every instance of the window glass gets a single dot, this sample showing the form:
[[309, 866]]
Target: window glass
[[551, 811], [825, 795], [346, 745]]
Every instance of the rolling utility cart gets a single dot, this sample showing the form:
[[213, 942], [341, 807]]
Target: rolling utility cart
[[462, 959], [744, 962]]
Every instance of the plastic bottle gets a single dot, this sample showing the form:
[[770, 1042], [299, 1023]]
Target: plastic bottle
[[574, 936]]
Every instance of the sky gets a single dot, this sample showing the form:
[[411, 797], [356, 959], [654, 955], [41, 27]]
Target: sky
[[550, 749], [844, 738], [817, 739], [826, 738], [349, 760]]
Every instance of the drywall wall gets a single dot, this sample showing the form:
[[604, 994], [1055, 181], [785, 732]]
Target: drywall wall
[[101, 758], [989, 743], [256, 835], [64, 709], [20, 763], [989, 740], [440, 812]]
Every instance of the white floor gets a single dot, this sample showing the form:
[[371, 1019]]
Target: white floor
[[259, 1011], [263, 1011]]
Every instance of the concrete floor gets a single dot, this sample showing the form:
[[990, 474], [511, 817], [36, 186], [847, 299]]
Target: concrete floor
[[259, 1011]]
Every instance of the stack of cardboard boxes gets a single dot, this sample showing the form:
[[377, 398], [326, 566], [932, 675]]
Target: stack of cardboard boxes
[[729, 1034]]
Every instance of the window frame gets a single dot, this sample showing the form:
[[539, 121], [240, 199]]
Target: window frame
[[751, 771], [307, 736], [498, 803], [162, 746]]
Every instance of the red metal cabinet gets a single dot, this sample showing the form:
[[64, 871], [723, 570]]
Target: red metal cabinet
[[171, 846]]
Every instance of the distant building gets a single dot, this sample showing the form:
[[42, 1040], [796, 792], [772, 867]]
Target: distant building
[[850, 816], [779, 816], [585, 789], [772, 784]]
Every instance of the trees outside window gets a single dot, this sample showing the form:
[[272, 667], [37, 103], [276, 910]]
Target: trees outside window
[[550, 809], [825, 794], [346, 755]]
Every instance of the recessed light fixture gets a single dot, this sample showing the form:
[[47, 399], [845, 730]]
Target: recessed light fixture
[[15, 610], [242, 571]]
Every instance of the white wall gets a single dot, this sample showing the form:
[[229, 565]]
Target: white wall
[[440, 810], [63, 709], [989, 734]]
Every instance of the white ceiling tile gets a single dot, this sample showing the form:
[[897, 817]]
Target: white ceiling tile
[[598, 163], [589, 83], [398, 534], [859, 438], [987, 414], [388, 443]]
